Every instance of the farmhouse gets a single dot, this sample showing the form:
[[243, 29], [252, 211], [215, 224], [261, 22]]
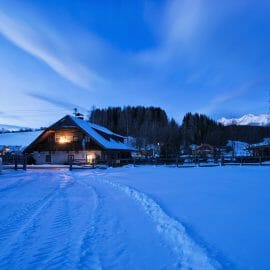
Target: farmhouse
[[72, 139]]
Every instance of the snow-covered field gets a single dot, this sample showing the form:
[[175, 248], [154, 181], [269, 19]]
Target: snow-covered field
[[136, 218]]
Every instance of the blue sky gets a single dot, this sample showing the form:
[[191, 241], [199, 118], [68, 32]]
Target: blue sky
[[201, 56]]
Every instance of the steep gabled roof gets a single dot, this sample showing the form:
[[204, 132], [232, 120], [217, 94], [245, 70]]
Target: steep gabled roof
[[111, 140], [92, 130]]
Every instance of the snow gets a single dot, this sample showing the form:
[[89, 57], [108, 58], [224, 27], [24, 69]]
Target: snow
[[248, 119], [240, 148], [91, 128], [18, 139], [147, 217], [266, 141]]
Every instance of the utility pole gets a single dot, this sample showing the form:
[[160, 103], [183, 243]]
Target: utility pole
[[268, 102]]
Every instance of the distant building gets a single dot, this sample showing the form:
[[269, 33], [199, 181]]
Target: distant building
[[73, 139], [3, 150], [204, 150], [260, 150]]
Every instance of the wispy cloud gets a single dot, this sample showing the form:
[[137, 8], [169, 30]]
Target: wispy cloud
[[9, 116], [29, 39], [231, 94], [178, 26], [182, 20], [57, 102]]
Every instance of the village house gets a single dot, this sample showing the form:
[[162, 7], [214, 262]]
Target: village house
[[262, 151], [72, 139]]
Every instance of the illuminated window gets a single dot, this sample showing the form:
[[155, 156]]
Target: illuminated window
[[62, 139]]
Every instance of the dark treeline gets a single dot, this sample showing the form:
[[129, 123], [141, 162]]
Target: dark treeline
[[151, 126]]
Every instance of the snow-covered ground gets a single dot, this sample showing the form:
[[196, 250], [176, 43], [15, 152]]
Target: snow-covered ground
[[19, 139], [135, 218]]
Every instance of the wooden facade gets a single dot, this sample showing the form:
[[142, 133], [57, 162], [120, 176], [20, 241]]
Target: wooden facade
[[260, 150], [66, 141]]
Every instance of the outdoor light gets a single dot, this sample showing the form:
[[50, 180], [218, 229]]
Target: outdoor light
[[90, 158]]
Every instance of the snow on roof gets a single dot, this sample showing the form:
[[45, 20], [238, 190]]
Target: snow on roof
[[91, 130], [240, 148], [265, 142], [18, 139]]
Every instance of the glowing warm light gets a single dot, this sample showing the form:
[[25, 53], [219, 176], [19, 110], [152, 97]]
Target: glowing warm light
[[63, 140], [90, 158]]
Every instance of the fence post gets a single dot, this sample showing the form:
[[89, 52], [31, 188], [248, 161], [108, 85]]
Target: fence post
[[1, 165], [70, 165], [222, 161], [24, 163], [16, 163]]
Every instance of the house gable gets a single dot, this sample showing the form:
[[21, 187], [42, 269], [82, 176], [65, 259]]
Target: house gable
[[70, 133]]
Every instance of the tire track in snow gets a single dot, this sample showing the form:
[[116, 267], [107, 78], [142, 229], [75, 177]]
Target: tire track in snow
[[56, 248], [189, 254], [125, 237], [58, 254], [103, 246], [69, 241], [88, 257], [18, 184], [19, 225], [19, 220], [20, 230]]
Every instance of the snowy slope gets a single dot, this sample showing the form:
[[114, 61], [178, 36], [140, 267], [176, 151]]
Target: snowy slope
[[248, 119], [147, 217], [21, 139]]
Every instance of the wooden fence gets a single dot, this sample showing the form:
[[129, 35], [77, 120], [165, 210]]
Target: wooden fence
[[20, 162]]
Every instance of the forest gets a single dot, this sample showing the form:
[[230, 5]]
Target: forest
[[152, 126]]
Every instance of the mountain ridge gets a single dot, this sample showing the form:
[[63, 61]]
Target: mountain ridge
[[247, 120], [10, 128]]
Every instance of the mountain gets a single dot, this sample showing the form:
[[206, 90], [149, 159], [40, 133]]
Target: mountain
[[6, 128], [248, 119]]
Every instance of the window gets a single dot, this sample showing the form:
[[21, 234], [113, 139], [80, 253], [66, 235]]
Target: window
[[70, 158], [75, 138], [50, 139], [48, 158]]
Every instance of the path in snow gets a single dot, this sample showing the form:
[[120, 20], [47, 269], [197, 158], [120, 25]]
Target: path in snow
[[188, 253], [83, 220]]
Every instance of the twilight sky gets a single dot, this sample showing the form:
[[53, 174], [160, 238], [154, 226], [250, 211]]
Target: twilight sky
[[204, 56]]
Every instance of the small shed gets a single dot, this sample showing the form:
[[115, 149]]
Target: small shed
[[204, 150]]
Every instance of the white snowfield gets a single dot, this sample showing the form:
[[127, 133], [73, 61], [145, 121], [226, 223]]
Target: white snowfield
[[135, 218]]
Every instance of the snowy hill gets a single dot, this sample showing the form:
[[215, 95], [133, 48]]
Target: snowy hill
[[248, 119], [18, 139], [4, 128]]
